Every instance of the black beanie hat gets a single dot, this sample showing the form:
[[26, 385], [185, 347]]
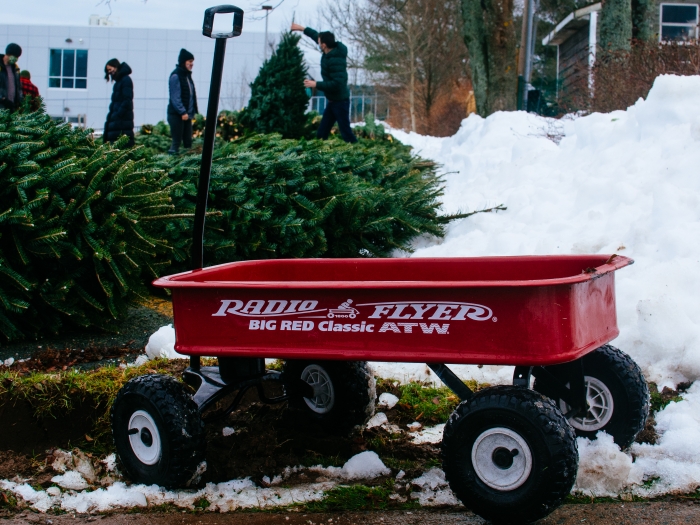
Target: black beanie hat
[[184, 57], [13, 50]]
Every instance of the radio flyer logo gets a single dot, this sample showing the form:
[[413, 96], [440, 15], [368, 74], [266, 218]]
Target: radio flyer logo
[[401, 317]]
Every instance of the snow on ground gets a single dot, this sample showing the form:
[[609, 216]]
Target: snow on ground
[[231, 495]]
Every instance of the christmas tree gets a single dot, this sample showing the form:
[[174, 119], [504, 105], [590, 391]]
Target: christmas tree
[[277, 198], [75, 219], [278, 99]]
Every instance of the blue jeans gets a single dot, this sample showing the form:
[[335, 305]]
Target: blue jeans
[[336, 110]]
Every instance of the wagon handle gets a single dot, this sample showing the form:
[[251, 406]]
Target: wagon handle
[[210, 127]]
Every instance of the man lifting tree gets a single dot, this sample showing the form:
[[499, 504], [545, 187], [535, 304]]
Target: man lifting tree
[[334, 71]]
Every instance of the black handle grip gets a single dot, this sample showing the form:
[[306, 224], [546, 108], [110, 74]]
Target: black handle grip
[[208, 25]]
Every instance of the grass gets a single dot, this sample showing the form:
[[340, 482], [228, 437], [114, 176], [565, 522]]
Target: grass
[[358, 497], [423, 402], [58, 393], [659, 400], [311, 460]]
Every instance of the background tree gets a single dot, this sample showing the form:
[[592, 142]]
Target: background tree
[[615, 25], [278, 99], [489, 34], [411, 50], [641, 22]]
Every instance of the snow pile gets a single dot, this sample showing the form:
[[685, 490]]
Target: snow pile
[[673, 464], [161, 344], [603, 469], [624, 182]]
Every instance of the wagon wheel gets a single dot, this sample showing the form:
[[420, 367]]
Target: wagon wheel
[[344, 392], [158, 432], [509, 454], [617, 395]]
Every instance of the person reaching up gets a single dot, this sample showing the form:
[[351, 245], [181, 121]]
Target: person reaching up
[[334, 70]]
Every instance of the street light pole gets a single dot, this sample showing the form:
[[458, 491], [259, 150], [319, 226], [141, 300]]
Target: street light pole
[[529, 46], [267, 9]]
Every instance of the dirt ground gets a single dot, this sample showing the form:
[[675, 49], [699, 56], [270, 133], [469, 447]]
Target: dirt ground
[[128, 336], [657, 513]]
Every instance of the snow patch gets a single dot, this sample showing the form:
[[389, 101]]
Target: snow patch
[[227, 431], [161, 344], [365, 465], [377, 420], [387, 400], [71, 480], [432, 489], [429, 435]]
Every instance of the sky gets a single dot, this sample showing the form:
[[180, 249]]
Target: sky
[[166, 14]]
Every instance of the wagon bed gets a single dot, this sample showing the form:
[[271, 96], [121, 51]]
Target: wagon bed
[[527, 310]]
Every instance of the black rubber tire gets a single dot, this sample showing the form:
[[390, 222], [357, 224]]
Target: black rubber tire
[[179, 425], [354, 387], [549, 438], [629, 390]]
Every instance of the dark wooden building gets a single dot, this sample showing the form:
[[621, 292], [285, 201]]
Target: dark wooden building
[[576, 37]]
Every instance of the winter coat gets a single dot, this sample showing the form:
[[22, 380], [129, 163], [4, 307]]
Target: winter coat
[[4, 103], [181, 99], [334, 70], [120, 119], [28, 88]]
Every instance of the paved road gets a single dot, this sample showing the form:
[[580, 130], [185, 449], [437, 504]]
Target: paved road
[[652, 513]]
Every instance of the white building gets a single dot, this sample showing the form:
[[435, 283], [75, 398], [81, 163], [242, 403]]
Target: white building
[[67, 65]]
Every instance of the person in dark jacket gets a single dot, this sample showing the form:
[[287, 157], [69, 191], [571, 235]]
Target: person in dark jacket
[[183, 102], [10, 86], [120, 119], [334, 71]]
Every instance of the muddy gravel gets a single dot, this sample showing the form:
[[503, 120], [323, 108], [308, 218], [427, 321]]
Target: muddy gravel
[[657, 513]]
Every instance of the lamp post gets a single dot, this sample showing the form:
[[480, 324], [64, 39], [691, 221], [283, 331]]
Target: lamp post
[[267, 9]]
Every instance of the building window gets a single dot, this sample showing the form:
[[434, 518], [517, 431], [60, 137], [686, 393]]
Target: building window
[[679, 22], [68, 68]]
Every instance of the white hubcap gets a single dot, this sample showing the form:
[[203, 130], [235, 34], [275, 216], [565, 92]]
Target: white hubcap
[[501, 458], [324, 396], [144, 438], [600, 407]]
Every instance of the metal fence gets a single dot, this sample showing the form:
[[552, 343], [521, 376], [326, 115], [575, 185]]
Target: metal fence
[[91, 112], [360, 105]]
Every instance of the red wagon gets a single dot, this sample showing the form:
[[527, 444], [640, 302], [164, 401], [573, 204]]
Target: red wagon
[[509, 452]]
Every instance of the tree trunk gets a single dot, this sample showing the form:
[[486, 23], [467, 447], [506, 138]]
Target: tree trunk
[[642, 11], [615, 25], [489, 33], [412, 78]]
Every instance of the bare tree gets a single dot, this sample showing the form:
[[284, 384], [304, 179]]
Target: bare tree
[[412, 48], [489, 34]]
